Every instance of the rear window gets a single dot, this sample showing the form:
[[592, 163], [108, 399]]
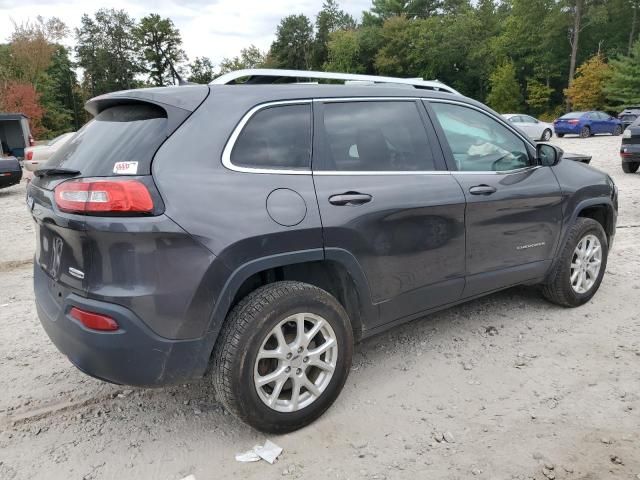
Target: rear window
[[277, 137], [572, 115], [123, 133]]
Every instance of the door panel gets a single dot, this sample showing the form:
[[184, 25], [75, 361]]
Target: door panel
[[405, 228], [513, 213]]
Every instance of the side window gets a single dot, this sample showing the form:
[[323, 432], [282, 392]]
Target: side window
[[277, 137], [376, 136], [479, 142], [516, 119], [528, 119]]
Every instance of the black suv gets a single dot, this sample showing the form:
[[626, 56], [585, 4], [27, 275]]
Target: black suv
[[252, 233]]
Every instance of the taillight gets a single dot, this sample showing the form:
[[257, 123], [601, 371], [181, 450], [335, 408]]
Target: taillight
[[574, 122], [94, 321], [29, 155], [98, 195]]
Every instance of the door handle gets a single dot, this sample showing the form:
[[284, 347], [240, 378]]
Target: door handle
[[482, 190], [350, 198]]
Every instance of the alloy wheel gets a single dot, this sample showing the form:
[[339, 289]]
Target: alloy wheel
[[296, 362], [585, 263]]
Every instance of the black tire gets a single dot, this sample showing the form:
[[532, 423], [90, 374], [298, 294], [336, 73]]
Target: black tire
[[630, 167], [558, 287], [585, 132], [617, 131], [246, 328], [559, 135], [546, 135]]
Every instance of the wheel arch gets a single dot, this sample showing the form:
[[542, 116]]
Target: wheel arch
[[334, 270]]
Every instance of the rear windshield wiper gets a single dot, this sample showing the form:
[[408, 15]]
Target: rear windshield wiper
[[47, 172]]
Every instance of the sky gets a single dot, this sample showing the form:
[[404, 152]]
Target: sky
[[210, 28]]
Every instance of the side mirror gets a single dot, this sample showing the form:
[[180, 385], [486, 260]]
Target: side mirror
[[548, 155]]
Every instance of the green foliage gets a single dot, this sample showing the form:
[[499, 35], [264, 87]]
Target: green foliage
[[60, 95], [586, 91], [250, 57], [344, 52], [293, 45], [505, 93], [108, 52], [329, 20], [538, 95], [161, 43], [201, 70], [623, 88]]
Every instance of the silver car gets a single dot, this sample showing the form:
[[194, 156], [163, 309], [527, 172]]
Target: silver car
[[534, 128], [35, 157]]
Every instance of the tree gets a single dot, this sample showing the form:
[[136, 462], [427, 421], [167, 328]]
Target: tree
[[538, 95], [161, 45], [23, 98], [107, 52], [202, 70], [32, 45], [330, 19], [623, 88], [294, 42], [344, 52], [384, 9], [586, 91], [504, 95], [60, 95], [250, 57]]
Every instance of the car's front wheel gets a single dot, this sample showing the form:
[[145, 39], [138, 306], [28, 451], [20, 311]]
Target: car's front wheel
[[283, 356], [578, 271], [546, 135], [585, 132], [618, 130], [630, 167]]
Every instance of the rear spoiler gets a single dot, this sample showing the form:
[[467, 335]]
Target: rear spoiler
[[187, 97]]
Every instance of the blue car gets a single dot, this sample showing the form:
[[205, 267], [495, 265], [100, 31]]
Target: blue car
[[586, 124]]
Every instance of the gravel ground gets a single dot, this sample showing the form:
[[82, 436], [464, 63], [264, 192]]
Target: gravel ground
[[545, 393]]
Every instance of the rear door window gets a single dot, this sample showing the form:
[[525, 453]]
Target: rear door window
[[376, 136], [277, 137], [123, 133]]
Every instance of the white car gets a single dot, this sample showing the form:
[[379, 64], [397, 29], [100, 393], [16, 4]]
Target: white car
[[34, 157], [532, 127]]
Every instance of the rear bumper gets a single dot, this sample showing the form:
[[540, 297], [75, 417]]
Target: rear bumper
[[132, 355], [10, 178], [567, 129], [630, 152]]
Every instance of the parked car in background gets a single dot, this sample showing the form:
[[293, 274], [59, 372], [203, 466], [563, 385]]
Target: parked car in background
[[629, 115], [36, 156], [586, 124], [14, 134], [534, 128], [630, 148], [10, 169]]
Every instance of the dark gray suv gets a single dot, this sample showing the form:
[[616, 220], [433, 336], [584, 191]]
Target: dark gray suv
[[253, 232]]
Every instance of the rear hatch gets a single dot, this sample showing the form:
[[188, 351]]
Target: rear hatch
[[103, 171]]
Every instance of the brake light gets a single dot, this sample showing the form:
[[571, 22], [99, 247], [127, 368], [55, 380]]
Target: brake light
[[97, 195], [29, 155], [94, 321], [574, 122]]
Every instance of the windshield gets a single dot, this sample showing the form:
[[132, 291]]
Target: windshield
[[123, 133]]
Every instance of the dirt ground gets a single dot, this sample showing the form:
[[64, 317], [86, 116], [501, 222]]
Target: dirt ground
[[547, 393]]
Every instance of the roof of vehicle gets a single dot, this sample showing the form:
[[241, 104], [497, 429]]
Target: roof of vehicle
[[12, 116], [631, 108]]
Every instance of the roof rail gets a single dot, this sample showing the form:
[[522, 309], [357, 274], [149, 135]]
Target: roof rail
[[270, 76]]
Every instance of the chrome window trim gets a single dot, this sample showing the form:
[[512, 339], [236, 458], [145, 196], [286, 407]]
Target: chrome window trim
[[228, 148], [226, 153]]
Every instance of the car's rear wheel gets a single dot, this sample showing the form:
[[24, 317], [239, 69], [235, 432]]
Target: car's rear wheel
[[618, 130], [578, 271], [283, 356], [630, 167], [585, 132], [559, 135], [546, 135]]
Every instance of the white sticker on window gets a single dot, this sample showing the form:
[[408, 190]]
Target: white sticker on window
[[125, 168]]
